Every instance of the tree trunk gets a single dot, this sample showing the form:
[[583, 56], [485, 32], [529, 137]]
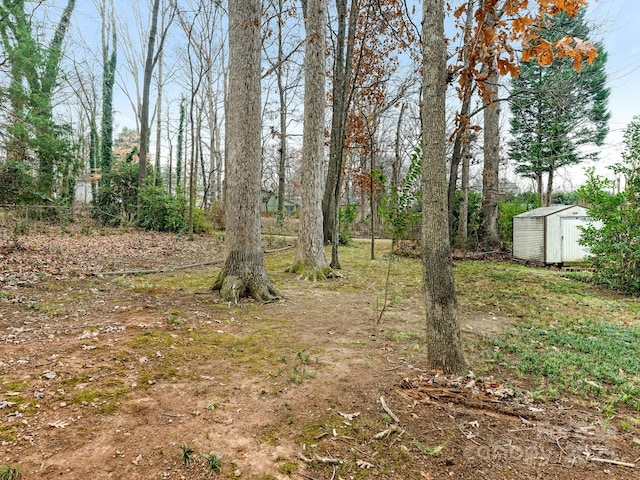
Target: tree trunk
[[340, 107], [156, 172], [462, 236], [144, 114], [549, 192], [444, 346], [93, 154], [397, 158], [336, 140], [180, 147], [108, 79], [463, 123], [282, 160], [490, 182], [244, 274], [311, 262]]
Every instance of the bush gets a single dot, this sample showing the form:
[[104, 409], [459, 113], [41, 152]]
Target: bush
[[474, 217], [162, 212], [17, 184], [613, 237], [348, 215], [117, 203], [202, 220]]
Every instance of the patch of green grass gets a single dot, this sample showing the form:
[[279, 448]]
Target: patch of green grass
[[186, 454], [9, 472], [104, 400], [403, 336], [593, 359], [214, 461], [432, 451], [288, 468], [14, 385], [540, 296], [8, 433], [175, 318]]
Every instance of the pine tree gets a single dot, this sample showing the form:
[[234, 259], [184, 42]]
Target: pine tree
[[555, 109]]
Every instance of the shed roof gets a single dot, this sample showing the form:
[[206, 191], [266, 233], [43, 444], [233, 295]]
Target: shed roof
[[546, 211]]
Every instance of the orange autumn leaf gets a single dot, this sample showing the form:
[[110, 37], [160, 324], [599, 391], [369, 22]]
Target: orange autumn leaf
[[459, 11]]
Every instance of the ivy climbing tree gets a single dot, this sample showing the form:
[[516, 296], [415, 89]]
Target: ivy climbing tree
[[34, 141]]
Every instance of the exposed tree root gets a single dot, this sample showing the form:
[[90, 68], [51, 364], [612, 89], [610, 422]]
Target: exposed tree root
[[311, 272]]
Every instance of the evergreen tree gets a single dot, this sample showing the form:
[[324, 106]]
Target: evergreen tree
[[555, 109]]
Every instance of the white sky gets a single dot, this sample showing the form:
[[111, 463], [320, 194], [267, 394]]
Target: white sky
[[615, 22]]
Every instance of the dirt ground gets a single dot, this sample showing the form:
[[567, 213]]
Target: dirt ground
[[109, 376]]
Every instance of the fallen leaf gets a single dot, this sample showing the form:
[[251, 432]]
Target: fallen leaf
[[5, 404], [59, 424], [349, 416], [363, 464]]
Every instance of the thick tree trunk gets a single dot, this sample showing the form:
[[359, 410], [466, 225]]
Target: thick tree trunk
[[311, 262], [244, 274], [444, 346], [490, 181]]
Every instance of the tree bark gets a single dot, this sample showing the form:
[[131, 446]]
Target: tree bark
[[244, 274], [461, 138], [340, 107], [311, 262], [490, 181], [444, 345], [109, 62], [156, 172], [337, 127], [180, 147], [282, 160], [144, 114], [549, 192], [490, 171], [462, 235]]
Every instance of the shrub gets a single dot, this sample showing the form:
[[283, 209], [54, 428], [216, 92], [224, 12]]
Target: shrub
[[17, 184], [117, 203], [613, 237], [474, 217], [160, 211], [348, 215]]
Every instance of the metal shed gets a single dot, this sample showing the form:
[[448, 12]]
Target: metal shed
[[550, 234]]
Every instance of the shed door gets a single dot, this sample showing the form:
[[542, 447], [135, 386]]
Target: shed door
[[572, 251]]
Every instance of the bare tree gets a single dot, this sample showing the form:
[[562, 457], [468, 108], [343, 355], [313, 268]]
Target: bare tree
[[146, 89], [311, 262], [244, 274], [444, 346]]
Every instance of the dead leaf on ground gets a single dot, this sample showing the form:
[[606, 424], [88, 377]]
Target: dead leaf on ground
[[365, 465], [349, 416]]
